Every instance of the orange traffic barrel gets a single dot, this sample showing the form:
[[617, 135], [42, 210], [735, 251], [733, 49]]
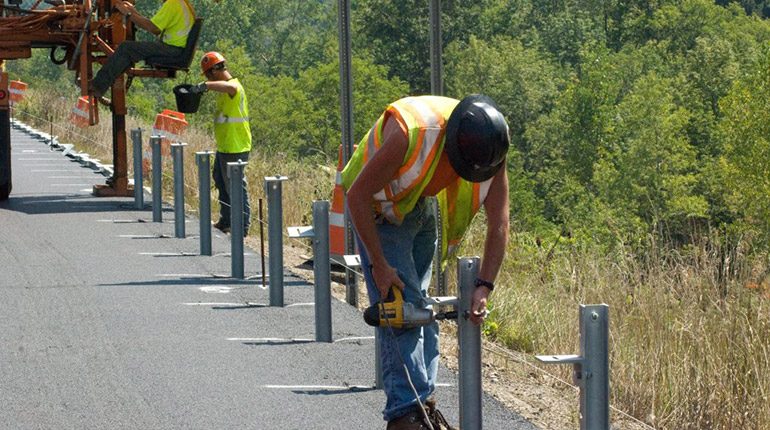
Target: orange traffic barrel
[[18, 90], [79, 115]]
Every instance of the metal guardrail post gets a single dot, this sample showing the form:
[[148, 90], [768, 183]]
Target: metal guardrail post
[[203, 160], [378, 384], [177, 152], [157, 179], [275, 237], [469, 339], [592, 367], [322, 272], [235, 171], [136, 137]]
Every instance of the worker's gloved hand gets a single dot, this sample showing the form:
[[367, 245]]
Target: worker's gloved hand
[[200, 88]]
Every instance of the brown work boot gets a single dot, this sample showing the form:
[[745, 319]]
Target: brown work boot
[[411, 421], [437, 419]]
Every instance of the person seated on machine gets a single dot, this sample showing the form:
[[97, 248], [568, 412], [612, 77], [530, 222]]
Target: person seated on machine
[[172, 24]]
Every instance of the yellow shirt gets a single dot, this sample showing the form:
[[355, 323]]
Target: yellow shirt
[[174, 19]]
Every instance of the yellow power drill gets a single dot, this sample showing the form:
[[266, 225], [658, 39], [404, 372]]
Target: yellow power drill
[[401, 314]]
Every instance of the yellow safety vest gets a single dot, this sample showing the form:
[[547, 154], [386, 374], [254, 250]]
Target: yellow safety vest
[[231, 122], [458, 204], [175, 20], [425, 119]]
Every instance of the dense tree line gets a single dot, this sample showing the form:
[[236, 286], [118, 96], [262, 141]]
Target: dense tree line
[[630, 119]]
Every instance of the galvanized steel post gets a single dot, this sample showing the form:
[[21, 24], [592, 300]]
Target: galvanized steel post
[[275, 237], [157, 179], [469, 339], [177, 153], [377, 360], [136, 137], [235, 171], [203, 160], [592, 367], [322, 272]]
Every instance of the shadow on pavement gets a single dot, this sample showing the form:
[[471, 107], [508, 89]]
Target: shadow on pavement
[[63, 203]]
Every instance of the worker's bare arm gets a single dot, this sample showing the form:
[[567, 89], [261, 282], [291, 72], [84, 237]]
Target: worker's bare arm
[[223, 87], [137, 18], [496, 207], [375, 175]]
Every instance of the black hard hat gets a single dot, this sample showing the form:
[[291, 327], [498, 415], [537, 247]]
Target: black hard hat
[[476, 138]]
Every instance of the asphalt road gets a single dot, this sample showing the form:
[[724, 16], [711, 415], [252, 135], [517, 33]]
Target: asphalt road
[[109, 322]]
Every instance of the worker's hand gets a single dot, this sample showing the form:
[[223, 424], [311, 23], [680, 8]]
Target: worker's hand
[[479, 305], [124, 7], [386, 276], [200, 88]]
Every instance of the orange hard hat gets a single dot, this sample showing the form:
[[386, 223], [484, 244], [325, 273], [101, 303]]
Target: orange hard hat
[[210, 60]]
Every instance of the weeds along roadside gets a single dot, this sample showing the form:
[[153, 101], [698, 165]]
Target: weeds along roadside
[[690, 347], [690, 339]]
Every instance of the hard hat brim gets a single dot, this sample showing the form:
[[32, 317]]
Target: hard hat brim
[[466, 171]]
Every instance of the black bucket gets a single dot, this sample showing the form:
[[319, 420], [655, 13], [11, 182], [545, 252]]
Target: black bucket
[[186, 101]]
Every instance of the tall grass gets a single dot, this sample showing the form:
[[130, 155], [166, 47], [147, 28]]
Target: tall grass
[[690, 328]]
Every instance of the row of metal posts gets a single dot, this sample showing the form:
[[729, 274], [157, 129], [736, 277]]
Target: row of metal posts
[[591, 366]]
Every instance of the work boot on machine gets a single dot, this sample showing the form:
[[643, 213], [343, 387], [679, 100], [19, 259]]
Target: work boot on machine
[[437, 419], [411, 421]]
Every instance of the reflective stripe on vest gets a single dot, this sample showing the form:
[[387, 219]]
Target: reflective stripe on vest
[[222, 119], [424, 118]]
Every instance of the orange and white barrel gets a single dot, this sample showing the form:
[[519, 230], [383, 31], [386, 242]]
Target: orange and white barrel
[[18, 90], [337, 215], [170, 125], [79, 115]]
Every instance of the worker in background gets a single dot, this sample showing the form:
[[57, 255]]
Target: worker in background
[[231, 131], [171, 24], [421, 147]]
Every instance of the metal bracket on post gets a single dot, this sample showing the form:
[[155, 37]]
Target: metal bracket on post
[[275, 237], [469, 339], [177, 153], [592, 367], [157, 179], [319, 233], [136, 138], [235, 171], [204, 199]]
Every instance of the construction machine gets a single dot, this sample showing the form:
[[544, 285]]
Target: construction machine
[[78, 33]]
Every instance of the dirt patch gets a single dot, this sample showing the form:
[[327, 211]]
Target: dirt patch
[[509, 376]]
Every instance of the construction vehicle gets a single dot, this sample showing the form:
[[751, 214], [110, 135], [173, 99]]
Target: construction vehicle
[[78, 33]]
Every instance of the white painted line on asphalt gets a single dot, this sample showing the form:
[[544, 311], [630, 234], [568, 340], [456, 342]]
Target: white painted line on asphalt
[[215, 290], [139, 236], [28, 151], [354, 338], [300, 304], [235, 305], [227, 254], [169, 254], [321, 387], [268, 339], [184, 275]]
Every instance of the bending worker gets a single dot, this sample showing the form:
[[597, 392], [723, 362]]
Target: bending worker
[[420, 147], [231, 131], [171, 24]]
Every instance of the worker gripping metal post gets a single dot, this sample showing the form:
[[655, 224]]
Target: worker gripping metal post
[[421, 147]]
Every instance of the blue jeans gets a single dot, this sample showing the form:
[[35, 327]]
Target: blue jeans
[[409, 248], [222, 182]]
